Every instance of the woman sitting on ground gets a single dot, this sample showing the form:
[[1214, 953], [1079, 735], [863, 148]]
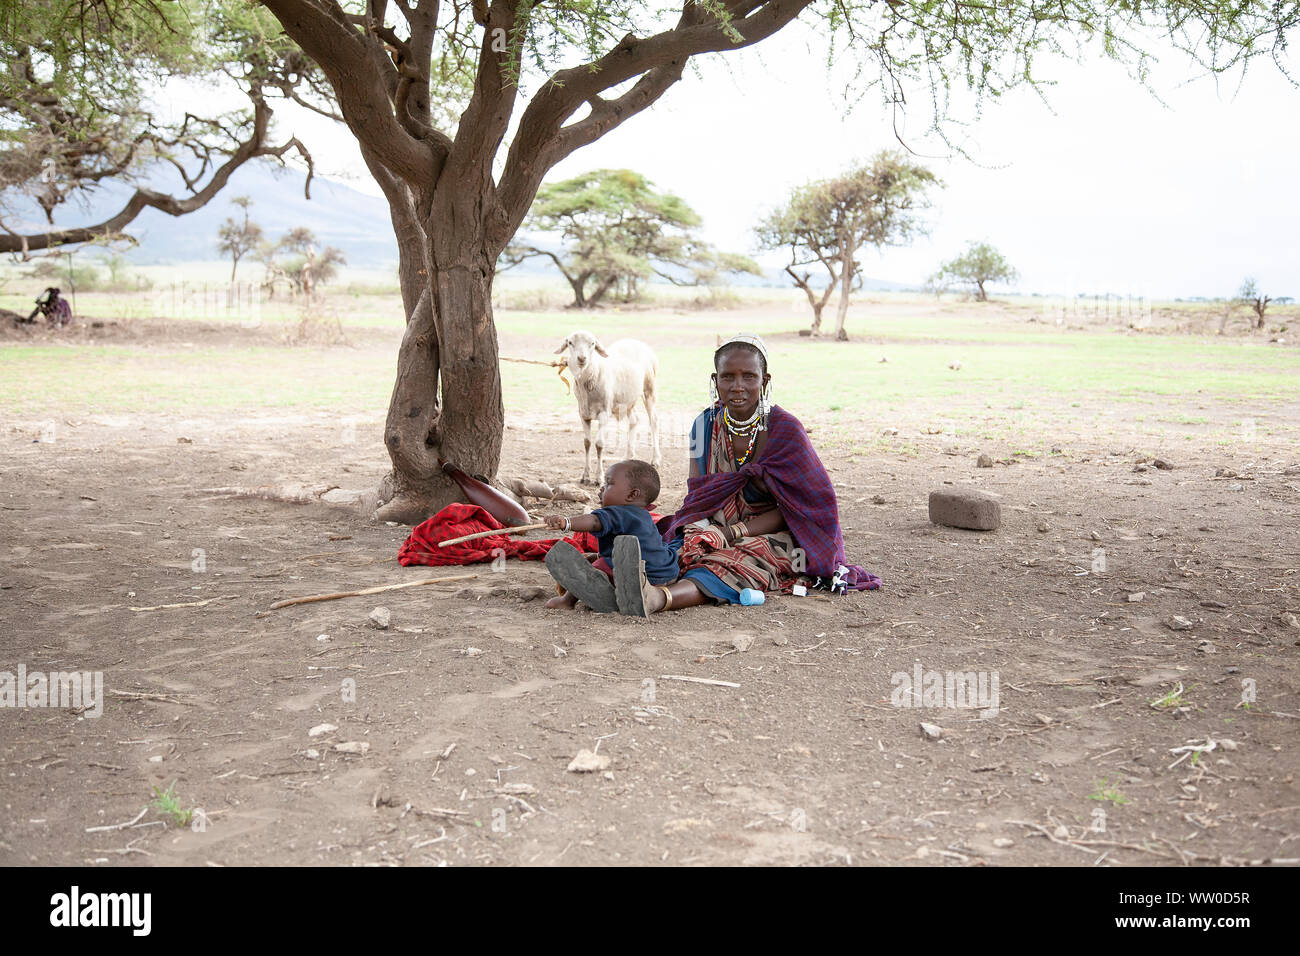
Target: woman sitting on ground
[[760, 510]]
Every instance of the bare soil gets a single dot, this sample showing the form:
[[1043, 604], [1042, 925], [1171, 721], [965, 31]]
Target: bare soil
[[806, 762]]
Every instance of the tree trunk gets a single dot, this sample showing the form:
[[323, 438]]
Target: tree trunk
[[579, 285], [846, 283], [801, 282], [606, 284], [446, 402], [981, 296]]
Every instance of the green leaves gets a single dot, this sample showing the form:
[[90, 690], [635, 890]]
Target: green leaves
[[932, 46], [876, 203]]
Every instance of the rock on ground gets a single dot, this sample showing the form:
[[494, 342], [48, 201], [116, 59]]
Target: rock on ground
[[962, 508], [588, 761]]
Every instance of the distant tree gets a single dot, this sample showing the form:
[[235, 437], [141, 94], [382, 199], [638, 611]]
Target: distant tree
[[306, 268], [878, 203], [617, 231], [238, 237], [1250, 294], [978, 265]]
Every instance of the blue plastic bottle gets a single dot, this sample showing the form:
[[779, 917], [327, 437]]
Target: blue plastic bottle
[[751, 596]]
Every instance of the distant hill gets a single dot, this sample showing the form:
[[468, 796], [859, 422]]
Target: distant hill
[[339, 215]]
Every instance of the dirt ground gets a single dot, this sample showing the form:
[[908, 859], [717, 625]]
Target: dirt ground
[[476, 699]]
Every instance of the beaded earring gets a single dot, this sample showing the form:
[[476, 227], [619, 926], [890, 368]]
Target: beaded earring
[[713, 391], [765, 405]]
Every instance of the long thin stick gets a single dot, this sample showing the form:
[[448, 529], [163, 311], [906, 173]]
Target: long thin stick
[[119, 826], [386, 587], [698, 680], [164, 607], [506, 358], [487, 534]]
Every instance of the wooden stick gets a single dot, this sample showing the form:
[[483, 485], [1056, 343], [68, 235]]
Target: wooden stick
[[698, 680], [119, 826], [136, 695], [487, 534], [385, 587]]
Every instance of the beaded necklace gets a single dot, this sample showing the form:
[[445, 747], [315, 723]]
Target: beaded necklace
[[737, 427], [748, 427]]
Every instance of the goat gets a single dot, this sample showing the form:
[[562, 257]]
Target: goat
[[609, 385]]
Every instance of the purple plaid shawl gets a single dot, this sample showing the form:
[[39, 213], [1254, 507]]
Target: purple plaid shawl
[[796, 478]]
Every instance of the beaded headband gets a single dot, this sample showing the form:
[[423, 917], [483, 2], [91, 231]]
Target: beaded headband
[[745, 338]]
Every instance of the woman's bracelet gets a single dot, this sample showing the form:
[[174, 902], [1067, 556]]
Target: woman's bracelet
[[738, 531], [567, 524]]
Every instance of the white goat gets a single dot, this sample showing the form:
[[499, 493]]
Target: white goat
[[608, 386]]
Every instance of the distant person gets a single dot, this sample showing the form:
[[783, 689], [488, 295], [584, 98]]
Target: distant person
[[633, 555], [53, 306]]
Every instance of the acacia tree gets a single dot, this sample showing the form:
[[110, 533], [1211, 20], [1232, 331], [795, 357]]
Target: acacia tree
[[1258, 302], [78, 88], [309, 268], [304, 269], [617, 232], [237, 237], [878, 203], [978, 265], [590, 65]]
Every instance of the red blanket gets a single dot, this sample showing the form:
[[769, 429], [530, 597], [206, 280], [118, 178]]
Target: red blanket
[[455, 520]]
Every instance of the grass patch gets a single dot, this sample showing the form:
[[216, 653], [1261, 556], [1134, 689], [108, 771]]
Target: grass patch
[[1027, 372], [1108, 792], [1173, 700], [167, 803]]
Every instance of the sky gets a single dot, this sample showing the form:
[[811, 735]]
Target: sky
[[1105, 188]]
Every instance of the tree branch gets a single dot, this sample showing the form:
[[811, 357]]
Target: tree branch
[[517, 254], [321, 29], [487, 117], [542, 139], [142, 199]]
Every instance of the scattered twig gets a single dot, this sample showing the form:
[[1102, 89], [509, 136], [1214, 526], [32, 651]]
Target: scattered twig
[[606, 676], [438, 839], [698, 680], [166, 607], [119, 826], [439, 812], [123, 851], [139, 695]]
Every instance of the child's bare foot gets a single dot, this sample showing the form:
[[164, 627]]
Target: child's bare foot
[[655, 599], [637, 597], [564, 602]]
